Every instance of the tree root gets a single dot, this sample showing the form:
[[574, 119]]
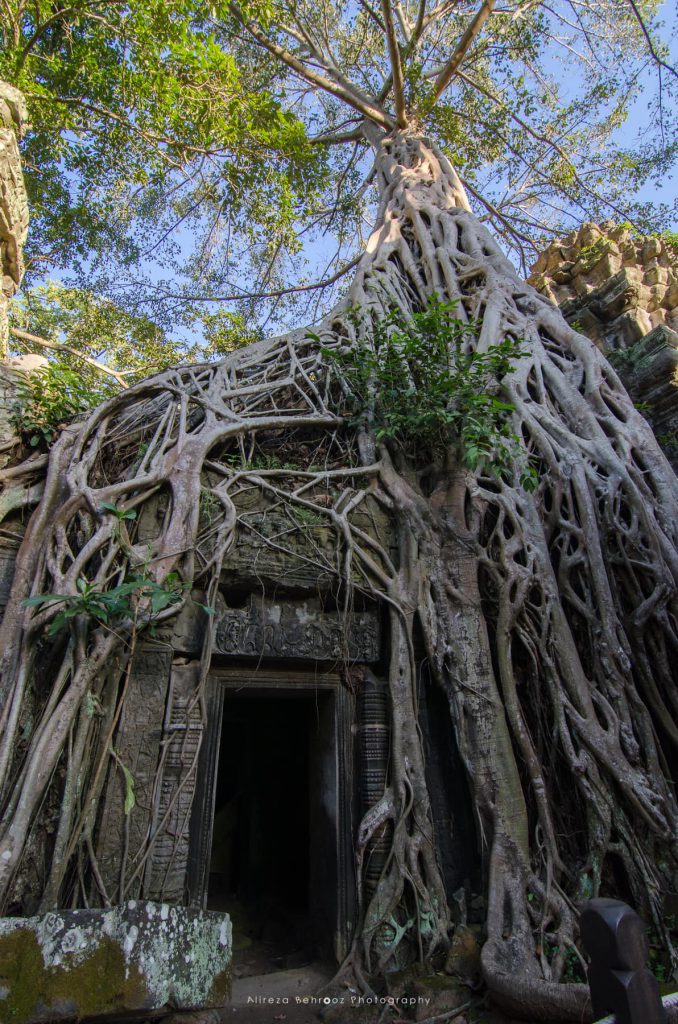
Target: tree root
[[549, 619]]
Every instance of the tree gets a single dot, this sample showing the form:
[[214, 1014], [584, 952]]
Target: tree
[[138, 120], [542, 584], [172, 163]]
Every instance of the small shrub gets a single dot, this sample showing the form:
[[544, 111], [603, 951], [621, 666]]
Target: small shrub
[[421, 388], [110, 606]]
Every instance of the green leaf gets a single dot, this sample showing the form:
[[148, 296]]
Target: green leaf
[[119, 513], [38, 599], [130, 799], [161, 599], [205, 607]]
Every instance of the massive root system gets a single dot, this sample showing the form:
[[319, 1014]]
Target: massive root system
[[548, 618]]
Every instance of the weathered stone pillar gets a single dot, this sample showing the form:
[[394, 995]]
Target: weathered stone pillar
[[13, 202]]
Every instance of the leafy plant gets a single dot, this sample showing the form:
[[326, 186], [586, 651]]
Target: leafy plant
[[590, 255], [119, 513], [210, 508], [420, 387], [306, 516], [626, 360], [107, 606], [50, 397], [667, 440], [670, 240]]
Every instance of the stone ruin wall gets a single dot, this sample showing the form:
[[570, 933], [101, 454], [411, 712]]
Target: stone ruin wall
[[13, 202], [624, 286], [622, 291]]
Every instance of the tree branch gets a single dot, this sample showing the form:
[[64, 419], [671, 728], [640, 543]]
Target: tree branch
[[540, 137], [650, 44], [57, 346], [414, 37], [338, 138], [505, 224], [245, 296], [421, 14], [396, 65], [339, 88], [462, 48], [59, 15], [373, 15], [403, 21]]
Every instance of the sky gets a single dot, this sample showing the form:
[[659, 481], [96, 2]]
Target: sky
[[318, 251]]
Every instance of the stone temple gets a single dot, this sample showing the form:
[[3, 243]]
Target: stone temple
[[249, 786]]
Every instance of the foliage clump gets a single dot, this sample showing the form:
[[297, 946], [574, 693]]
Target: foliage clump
[[424, 388], [52, 396]]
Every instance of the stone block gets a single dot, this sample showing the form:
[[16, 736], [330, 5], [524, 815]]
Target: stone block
[[589, 233], [165, 877], [581, 286], [138, 747], [539, 267], [137, 956], [657, 292], [607, 267], [564, 273], [652, 247], [618, 232], [651, 377]]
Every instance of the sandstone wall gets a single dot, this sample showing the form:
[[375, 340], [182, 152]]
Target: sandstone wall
[[615, 286], [13, 202], [622, 291]]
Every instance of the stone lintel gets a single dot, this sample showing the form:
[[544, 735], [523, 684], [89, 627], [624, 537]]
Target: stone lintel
[[299, 629]]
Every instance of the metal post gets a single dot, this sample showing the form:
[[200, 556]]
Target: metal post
[[615, 940]]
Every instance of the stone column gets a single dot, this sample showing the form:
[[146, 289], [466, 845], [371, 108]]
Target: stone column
[[13, 202]]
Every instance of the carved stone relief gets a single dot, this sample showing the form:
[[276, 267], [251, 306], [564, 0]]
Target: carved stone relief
[[182, 736], [297, 630]]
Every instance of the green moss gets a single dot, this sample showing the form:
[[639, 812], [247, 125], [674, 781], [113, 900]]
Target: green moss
[[94, 985], [220, 992]]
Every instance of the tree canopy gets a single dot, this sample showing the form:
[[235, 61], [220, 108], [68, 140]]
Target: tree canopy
[[188, 160]]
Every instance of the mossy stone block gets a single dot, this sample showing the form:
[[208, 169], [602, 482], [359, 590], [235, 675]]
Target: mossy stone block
[[136, 956]]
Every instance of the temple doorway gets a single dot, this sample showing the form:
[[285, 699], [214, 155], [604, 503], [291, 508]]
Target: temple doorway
[[276, 807], [260, 852]]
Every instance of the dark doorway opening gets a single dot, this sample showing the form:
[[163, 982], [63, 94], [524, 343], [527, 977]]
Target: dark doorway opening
[[261, 841], [273, 816], [272, 824]]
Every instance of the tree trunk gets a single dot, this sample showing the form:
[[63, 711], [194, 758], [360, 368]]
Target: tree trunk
[[549, 617]]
